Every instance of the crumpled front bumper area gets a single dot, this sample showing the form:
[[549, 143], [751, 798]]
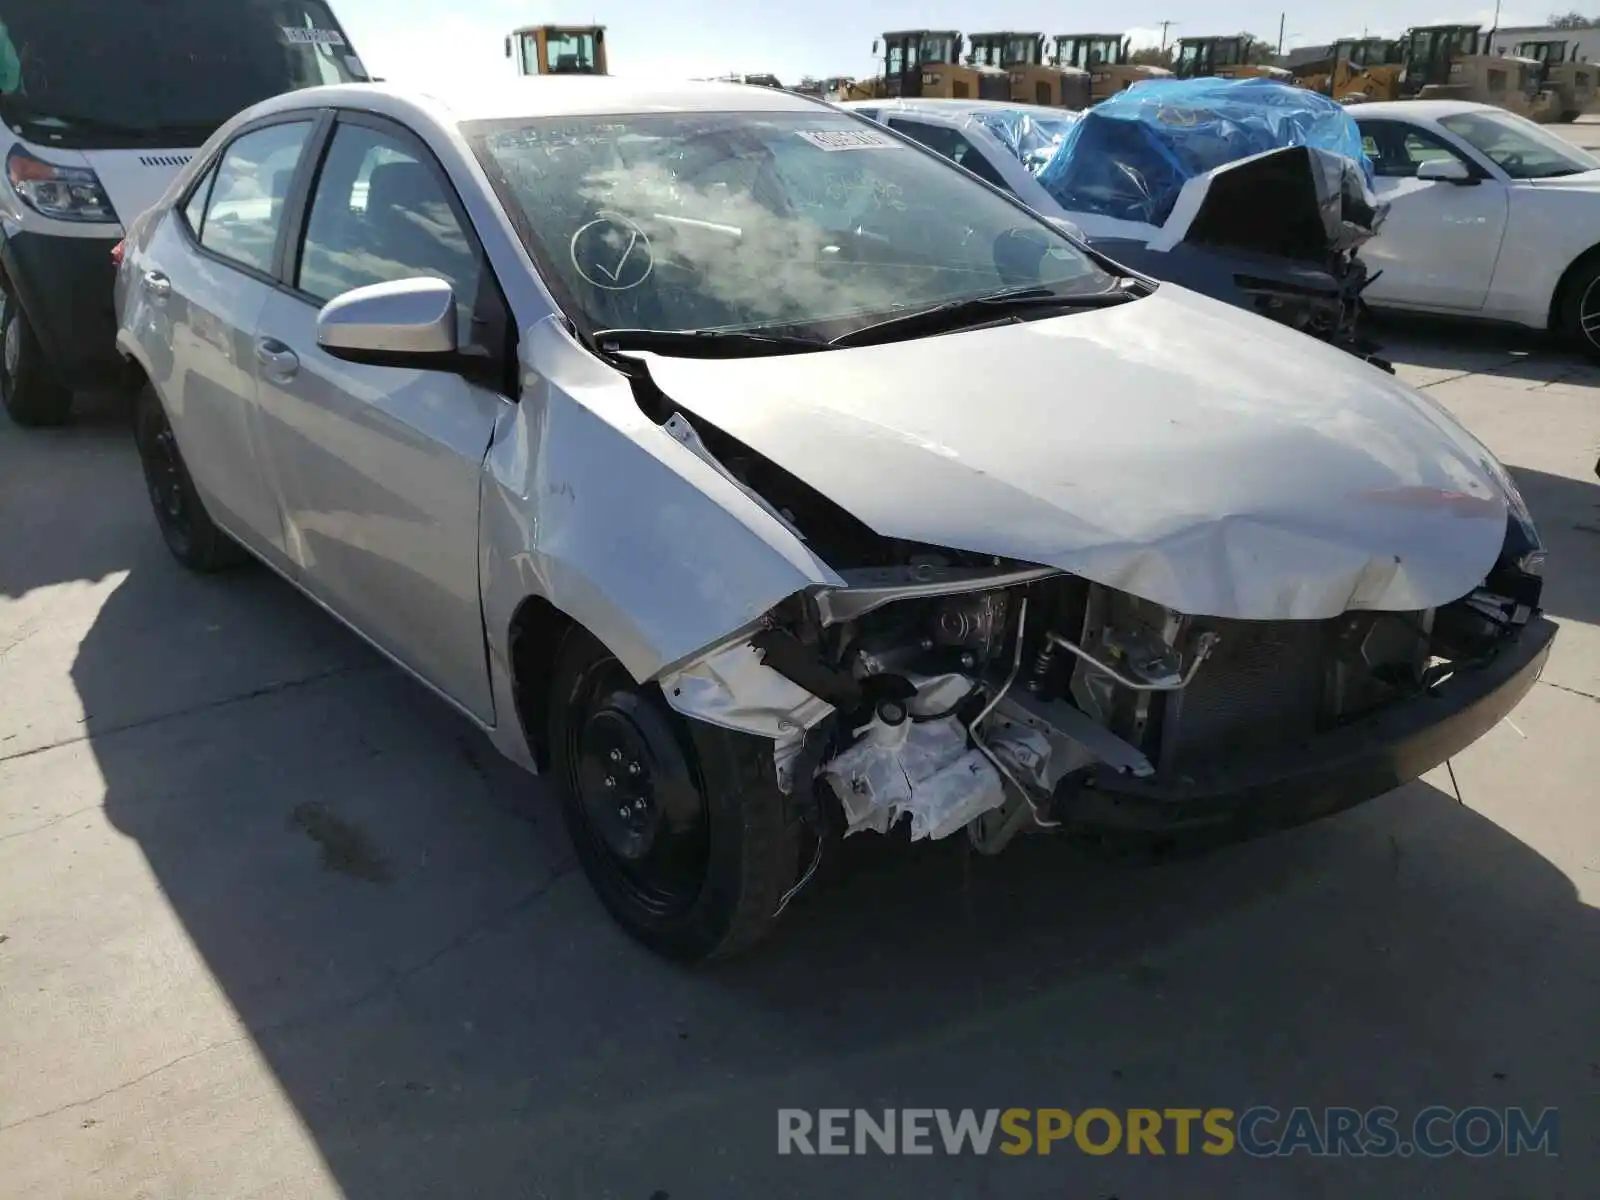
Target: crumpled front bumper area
[[1326, 774]]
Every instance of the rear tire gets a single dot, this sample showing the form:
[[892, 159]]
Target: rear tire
[[32, 397], [679, 825], [190, 533], [1578, 318]]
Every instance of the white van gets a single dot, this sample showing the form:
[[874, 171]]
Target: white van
[[103, 102]]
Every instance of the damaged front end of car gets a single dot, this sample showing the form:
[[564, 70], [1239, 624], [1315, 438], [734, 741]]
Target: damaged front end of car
[[944, 695]]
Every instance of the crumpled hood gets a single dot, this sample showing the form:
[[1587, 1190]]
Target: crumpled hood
[[1174, 448]]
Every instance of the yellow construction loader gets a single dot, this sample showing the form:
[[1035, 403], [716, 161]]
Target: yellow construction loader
[[1032, 80], [558, 49], [1224, 57], [1453, 62], [1573, 81], [1356, 69], [927, 62], [1105, 57]]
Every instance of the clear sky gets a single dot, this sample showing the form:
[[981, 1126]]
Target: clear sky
[[421, 40]]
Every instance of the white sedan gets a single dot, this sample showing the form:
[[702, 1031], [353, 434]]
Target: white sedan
[[1490, 216]]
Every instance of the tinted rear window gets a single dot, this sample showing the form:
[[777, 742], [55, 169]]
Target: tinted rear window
[[93, 71]]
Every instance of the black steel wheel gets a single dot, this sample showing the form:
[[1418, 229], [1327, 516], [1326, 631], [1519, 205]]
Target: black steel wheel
[[30, 394], [680, 827], [190, 533]]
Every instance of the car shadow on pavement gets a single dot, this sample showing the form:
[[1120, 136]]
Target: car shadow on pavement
[[1455, 348], [38, 468], [393, 914]]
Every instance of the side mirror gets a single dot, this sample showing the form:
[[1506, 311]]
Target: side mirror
[[406, 323], [874, 46], [508, 47], [1445, 170]]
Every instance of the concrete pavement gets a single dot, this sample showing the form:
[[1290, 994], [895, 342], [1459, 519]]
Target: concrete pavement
[[275, 922]]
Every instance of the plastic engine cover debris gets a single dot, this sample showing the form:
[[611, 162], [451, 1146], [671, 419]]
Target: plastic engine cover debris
[[926, 770]]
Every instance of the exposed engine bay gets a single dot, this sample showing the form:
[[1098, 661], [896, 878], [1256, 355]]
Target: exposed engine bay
[[978, 697]]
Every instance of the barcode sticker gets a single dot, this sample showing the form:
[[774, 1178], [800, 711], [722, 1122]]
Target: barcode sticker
[[848, 139], [298, 36]]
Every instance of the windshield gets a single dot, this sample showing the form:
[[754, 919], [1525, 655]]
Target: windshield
[[88, 71], [985, 52], [1088, 52], [811, 223], [938, 49], [1020, 50], [1519, 147], [1545, 52], [570, 52]]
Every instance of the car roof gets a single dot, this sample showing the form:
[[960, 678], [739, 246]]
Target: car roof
[[552, 96], [1426, 110]]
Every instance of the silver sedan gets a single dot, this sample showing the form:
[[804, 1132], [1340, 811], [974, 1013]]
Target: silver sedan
[[767, 480]]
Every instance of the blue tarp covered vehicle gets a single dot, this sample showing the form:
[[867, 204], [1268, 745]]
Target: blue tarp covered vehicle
[[1250, 191], [1033, 138], [1129, 156]]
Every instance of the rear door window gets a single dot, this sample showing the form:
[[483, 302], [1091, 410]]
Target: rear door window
[[245, 210]]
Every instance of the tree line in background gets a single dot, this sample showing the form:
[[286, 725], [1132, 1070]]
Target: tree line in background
[[1572, 20]]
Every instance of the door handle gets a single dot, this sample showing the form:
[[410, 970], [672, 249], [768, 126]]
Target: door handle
[[157, 284], [277, 358]]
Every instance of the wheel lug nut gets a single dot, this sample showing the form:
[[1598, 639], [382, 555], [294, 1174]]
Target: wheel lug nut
[[611, 781], [616, 756], [623, 812], [633, 768]]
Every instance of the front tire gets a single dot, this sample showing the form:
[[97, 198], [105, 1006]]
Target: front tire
[[190, 533], [1578, 320], [32, 397], [679, 825]]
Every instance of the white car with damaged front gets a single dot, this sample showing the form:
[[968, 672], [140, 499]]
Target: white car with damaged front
[[766, 480]]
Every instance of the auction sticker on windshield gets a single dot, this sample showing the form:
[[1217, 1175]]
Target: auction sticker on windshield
[[848, 139], [294, 34]]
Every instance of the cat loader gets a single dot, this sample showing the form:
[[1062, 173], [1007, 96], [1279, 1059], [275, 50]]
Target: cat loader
[[1573, 82], [1452, 62], [1105, 57], [558, 49], [927, 63], [1223, 57], [1358, 69], [1032, 80]]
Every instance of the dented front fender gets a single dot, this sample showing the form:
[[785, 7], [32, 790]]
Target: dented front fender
[[594, 507]]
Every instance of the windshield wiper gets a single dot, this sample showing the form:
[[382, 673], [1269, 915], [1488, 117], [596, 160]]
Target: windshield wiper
[[29, 112], [25, 111], [956, 314], [706, 343]]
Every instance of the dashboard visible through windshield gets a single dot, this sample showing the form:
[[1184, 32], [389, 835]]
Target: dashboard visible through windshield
[[141, 72], [808, 223]]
